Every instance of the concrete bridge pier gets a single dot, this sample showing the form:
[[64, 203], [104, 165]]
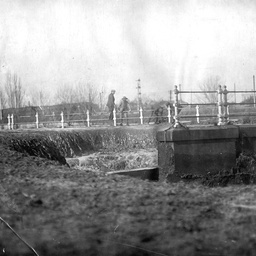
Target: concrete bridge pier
[[196, 151]]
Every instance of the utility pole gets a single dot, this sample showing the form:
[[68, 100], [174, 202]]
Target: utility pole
[[139, 94], [253, 78]]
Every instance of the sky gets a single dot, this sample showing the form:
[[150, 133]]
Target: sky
[[112, 43]]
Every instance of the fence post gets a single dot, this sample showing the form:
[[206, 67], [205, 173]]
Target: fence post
[[12, 122], [114, 116], [62, 119], [9, 121], [225, 104], [197, 114], [169, 113], [219, 91], [141, 116], [176, 104], [37, 122], [88, 117]]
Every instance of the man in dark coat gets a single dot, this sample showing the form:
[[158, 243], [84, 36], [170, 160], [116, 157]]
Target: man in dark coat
[[124, 108], [111, 104]]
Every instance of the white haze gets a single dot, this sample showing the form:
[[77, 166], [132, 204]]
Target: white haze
[[112, 43]]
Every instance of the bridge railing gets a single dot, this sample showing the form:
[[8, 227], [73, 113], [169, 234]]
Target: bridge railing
[[223, 106], [87, 119], [220, 111]]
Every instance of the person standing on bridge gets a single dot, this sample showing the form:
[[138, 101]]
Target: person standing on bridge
[[124, 108], [111, 104]]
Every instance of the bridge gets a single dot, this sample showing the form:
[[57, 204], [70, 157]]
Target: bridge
[[191, 149], [195, 151]]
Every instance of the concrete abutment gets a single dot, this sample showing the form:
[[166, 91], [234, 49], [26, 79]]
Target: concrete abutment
[[199, 151]]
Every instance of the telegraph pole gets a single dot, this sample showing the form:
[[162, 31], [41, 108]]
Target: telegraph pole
[[139, 94]]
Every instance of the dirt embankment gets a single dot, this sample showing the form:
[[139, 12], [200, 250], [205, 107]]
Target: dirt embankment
[[60, 144], [69, 211]]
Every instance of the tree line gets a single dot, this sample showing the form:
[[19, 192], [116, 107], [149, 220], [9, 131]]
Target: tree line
[[14, 95]]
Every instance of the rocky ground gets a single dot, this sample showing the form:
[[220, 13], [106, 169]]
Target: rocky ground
[[81, 211]]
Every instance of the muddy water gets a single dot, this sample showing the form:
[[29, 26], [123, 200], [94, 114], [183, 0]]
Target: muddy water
[[109, 161]]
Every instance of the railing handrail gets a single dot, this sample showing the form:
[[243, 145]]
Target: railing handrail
[[222, 103], [222, 106]]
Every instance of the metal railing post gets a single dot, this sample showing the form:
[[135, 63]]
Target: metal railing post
[[114, 116], [141, 116], [219, 91], [37, 122], [88, 118], [197, 114], [62, 119], [176, 104], [169, 113], [225, 104]]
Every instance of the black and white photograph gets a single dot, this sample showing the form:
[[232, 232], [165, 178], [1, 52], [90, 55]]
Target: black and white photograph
[[127, 127]]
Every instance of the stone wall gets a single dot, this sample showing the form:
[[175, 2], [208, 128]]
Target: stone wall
[[200, 151]]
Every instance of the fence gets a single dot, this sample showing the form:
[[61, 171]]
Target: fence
[[62, 120], [223, 106], [172, 113]]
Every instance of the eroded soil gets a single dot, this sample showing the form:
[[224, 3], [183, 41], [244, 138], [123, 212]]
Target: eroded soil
[[74, 211]]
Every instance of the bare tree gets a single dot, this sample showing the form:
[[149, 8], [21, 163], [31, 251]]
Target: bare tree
[[81, 93], [93, 93], [102, 98], [209, 84], [39, 97], [14, 91], [2, 99], [86, 93], [65, 94]]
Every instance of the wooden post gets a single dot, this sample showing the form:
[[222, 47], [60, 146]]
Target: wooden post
[[62, 119], [197, 114], [114, 116], [9, 121], [88, 118], [141, 116], [37, 122], [12, 122]]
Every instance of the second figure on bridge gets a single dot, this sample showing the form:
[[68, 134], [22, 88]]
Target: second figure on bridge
[[124, 108]]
